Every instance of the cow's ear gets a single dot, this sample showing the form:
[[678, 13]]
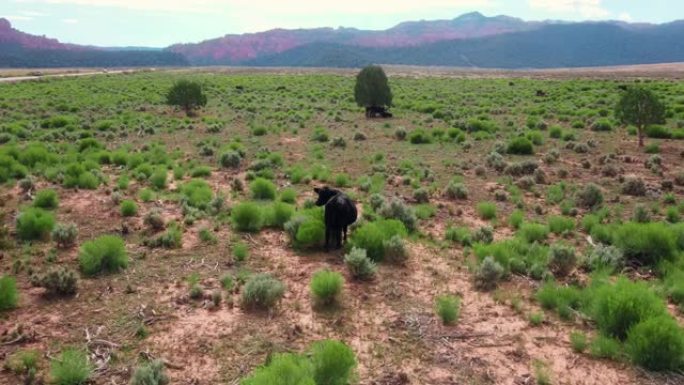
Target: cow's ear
[[317, 190]]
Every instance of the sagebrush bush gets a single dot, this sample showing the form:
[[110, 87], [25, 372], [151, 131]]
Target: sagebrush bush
[[65, 235], [197, 193], [484, 234], [562, 259], [520, 146], [456, 190], [104, 254], [262, 291], [71, 367], [154, 220], [486, 210], [240, 251], [516, 219], [459, 235], [230, 159], [647, 243], [562, 299], [278, 214], [395, 250], [57, 281], [172, 238], [128, 208], [288, 195], [605, 347], [533, 232], [605, 257], [634, 186], [618, 307], [46, 199], [9, 295], [333, 363], [396, 209], [34, 223], [150, 373], [656, 344], [283, 369], [359, 265], [590, 197], [488, 274], [262, 189], [560, 224], [371, 236], [247, 216], [326, 286], [448, 308], [310, 234], [578, 341]]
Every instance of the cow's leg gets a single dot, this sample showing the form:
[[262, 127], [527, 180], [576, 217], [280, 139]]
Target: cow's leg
[[338, 237], [327, 238], [345, 233]]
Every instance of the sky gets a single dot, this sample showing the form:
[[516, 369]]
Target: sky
[[159, 23]]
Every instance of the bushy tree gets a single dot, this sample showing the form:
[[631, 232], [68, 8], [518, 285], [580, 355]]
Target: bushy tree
[[187, 95], [372, 88], [641, 108]]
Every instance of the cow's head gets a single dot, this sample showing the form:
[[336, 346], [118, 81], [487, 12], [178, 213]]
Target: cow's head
[[324, 195]]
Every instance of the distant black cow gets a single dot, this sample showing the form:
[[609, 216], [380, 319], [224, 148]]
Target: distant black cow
[[377, 112], [340, 212]]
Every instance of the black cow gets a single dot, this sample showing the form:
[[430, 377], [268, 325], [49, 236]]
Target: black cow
[[377, 112], [340, 212]]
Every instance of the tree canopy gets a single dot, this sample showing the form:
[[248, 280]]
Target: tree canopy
[[372, 88], [641, 108], [187, 95]]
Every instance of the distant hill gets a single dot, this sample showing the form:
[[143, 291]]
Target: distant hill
[[549, 46], [19, 49]]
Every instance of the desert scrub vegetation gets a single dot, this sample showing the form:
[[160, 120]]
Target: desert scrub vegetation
[[56, 281], [374, 236], [359, 265], [34, 224], [105, 254], [150, 373], [262, 291], [65, 235], [448, 308], [326, 287], [9, 295], [46, 199], [71, 367]]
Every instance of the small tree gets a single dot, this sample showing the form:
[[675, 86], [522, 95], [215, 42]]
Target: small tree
[[640, 107], [186, 95], [372, 89]]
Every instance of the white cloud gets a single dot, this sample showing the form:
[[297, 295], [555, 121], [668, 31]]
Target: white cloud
[[624, 16], [17, 18], [33, 13], [69, 21], [298, 7], [589, 9]]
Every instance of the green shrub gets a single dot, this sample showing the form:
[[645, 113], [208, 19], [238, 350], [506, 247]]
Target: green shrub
[[71, 367], [456, 190], [128, 208], [656, 344], [488, 274], [279, 213], [262, 189], [172, 238], [590, 197], [448, 308], [150, 373], [360, 266], [247, 216], [57, 281], [562, 259], [647, 243], [562, 299], [371, 236], [533, 232], [419, 136], [288, 195], [486, 210], [230, 159], [395, 250], [459, 235], [397, 209], [516, 219], [578, 341], [24, 362], [520, 146], [605, 347], [158, 178], [605, 257], [620, 306], [46, 199], [262, 291], [560, 225], [283, 369], [326, 286], [200, 172], [106, 253], [310, 234], [9, 295], [333, 363], [34, 223], [240, 251], [197, 193], [65, 235]]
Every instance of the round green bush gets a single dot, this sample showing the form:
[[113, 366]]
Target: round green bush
[[262, 291], [326, 286], [533, 232], [158, 178], [35, 223], [520, 146], [656, 344], [283, 369], [230, 159], [486, 210], [288, 195], [448, 308], [262, 189], [197, 193], [310, 234], [106, 253], [618, 307], [371, 236], [46, 199], [9, 296], [128, 208], [247, 216], [333, 363], [71, 367], [647, 243], [280, 213], [359, 265]]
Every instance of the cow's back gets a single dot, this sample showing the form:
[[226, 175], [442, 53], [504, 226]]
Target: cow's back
[[340, 211]]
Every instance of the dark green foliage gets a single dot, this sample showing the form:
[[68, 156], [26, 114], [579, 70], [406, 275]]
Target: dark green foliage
[[647, 243], [448, 308], [371, 236], [46, 199], [520, 146], [618, 307], [533, 232], [128, 208], [247, 216], [605, 347], [34, 223], [640, 107], [71, 367], [187, 95], [262, 189], [561, 225], [150, 373], [9, 295], [326, 286], [262, 291], [104, 254], [656, 344], [333, 363], [372, 88]]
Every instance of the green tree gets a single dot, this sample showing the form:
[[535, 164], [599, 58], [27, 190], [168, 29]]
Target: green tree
[[372, 88], [641, 108], [187, 95]]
